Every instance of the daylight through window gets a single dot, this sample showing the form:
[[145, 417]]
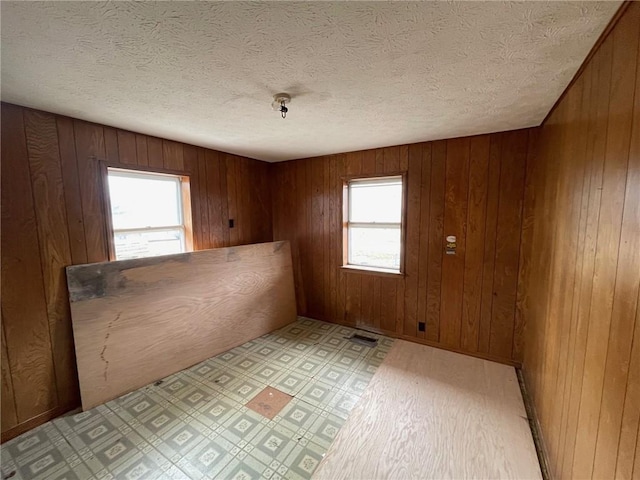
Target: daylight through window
[[147, 214], [374, 225]]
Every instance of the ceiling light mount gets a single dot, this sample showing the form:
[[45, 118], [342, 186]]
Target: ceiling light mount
[[279, 103]]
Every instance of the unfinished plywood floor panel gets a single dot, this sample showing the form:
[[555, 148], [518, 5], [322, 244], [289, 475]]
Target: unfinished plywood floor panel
[[429, 413]]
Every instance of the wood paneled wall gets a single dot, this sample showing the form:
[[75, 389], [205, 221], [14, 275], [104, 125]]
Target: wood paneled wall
[[53, 215], [469, 187], [580, 281]]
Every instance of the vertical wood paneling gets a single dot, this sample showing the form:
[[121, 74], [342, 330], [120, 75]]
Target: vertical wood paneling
[[232, 203], [317, 241], [592, 196], [388, 303], [172, 155], [629, 433], [334, 235], [491, 225], [89, 149], [53, 216], [507, 252], [141, 150], [224, 200], [71, 183], [243, 191], [302, 231], [476, 221], [203, 188], [214, 199], [609, 229], [527, 255], [9, 418], [455, 223], [424, 229], [155, 152], [24, 311], [442, 177], [414, 179], [127, 148], [55, 254], [191, 166], [580, 306], [329, 310], [436, 242], [111, 147], [367, 300], [353, 299], [627, 278]]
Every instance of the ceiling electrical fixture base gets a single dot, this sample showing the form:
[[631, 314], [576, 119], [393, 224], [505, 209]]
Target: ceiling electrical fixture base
[[279, 103]]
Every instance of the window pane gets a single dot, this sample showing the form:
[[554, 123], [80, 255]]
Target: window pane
[[148, 244], [376, 201], [144, 201], [374, 247]]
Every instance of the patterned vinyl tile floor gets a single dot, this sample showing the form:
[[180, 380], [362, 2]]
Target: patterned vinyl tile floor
[[195, 425]]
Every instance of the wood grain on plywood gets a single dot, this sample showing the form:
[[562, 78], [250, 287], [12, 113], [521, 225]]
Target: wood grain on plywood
[[429, 413], [163, 314]]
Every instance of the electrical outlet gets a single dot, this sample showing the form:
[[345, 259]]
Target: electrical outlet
[[421, 326]]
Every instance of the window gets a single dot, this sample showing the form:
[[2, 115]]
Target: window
[[147, 214], [374, 222]]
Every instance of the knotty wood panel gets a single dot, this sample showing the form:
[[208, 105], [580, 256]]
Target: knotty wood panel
[[164, 314], [53, 216], [454, 188], [579, 299]]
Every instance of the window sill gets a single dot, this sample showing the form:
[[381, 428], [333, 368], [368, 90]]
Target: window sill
[[372, 271]]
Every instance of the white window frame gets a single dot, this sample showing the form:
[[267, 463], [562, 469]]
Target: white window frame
[[348, 224], [179, 179]]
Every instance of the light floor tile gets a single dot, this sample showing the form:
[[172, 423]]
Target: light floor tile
[[195, 424]]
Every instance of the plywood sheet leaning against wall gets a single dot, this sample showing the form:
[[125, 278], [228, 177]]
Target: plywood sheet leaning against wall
[[136, 321]]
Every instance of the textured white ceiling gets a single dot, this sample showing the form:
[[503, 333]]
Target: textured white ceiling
[[362, 74]]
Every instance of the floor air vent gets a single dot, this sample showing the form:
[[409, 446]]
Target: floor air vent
[[362, 340]]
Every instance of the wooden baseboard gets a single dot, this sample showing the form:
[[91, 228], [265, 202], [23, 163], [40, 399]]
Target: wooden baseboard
[[429, 343], [35, 422], [534, 424]]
